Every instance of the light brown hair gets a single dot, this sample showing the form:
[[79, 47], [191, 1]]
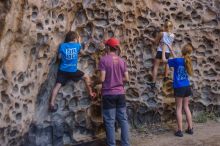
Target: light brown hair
[[186, 51]]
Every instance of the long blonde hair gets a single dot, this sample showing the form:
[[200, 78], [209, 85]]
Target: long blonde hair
[[186, 51]]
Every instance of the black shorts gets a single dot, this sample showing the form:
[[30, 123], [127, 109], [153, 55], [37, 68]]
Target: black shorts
[[63, 77], [183, 91], [113, 101], [159, 55]]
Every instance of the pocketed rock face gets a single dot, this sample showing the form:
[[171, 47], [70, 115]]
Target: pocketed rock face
[[31, 31]]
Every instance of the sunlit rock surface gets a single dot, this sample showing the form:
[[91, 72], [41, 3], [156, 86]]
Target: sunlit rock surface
[[31, 31]]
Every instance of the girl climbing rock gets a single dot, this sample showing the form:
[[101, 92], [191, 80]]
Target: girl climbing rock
[[164, 41]]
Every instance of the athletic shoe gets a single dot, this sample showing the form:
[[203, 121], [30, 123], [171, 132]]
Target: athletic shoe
[[166, 79], [53, 108], [189, 131], [179, 133]]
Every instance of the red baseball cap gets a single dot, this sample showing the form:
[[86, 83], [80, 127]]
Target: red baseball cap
[[112, 42]]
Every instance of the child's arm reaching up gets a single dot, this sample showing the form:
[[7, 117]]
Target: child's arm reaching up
[[155, 40], [83, 45], [79, 39]]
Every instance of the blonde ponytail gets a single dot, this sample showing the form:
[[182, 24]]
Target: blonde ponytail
[[186, 51]]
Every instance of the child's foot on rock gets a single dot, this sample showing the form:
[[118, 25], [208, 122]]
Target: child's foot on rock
[[53, 107], [166, 79]]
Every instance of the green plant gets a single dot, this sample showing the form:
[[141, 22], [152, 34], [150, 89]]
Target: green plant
[[203, 117]]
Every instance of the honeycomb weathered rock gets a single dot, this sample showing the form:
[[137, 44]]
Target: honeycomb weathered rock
[[30, 33]]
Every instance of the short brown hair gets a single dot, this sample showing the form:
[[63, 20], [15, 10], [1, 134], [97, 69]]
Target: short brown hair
[[70, 36]]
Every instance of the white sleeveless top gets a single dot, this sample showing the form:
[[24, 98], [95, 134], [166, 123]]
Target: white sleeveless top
[[168, 39]]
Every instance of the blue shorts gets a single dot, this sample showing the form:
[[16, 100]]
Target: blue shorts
[[183, 92], [63, 77], [113, 101]]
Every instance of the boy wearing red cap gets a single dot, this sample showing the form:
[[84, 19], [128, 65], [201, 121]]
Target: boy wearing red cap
[[113, 75]]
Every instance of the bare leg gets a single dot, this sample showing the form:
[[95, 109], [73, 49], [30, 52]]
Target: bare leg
[[54, 93], [164, 58], [179, 112], [155, 69], [88, 83], [188, 112], [166, 73]]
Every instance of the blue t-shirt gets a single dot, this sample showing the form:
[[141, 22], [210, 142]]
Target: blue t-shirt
[[69, 56], [180, 76]]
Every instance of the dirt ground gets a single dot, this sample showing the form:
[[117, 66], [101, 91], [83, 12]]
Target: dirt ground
[[205, 134]]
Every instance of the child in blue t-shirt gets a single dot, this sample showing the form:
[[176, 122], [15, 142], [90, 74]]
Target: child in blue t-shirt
[[68, 53], [182, 68]]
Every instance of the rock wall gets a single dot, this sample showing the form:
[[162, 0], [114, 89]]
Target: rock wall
[[31, 31]]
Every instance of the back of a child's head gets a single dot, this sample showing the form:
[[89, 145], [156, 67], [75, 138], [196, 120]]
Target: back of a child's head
[[70, 36], [168, 25], [112, 44], [186, 51]]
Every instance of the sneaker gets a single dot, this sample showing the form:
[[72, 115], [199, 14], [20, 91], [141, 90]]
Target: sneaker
[[189, 131], [179, 133], [53, 108], [166, 79]]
